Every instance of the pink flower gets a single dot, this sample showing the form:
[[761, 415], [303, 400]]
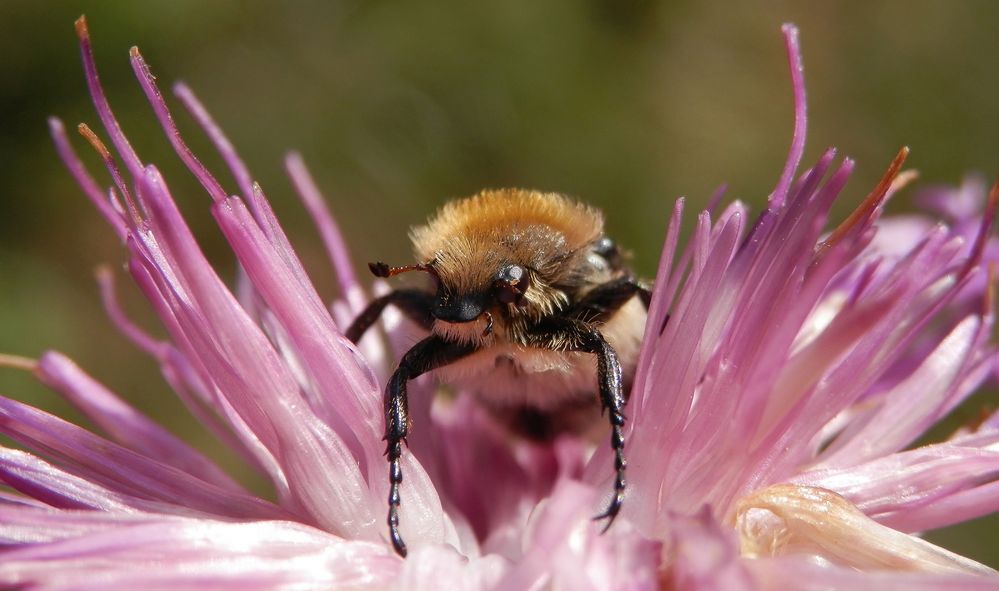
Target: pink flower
[[770, 426]]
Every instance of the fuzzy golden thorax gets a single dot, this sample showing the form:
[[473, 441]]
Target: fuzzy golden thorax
[[469, 241]]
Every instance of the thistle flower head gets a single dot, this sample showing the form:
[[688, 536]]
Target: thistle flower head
[[786, 372]]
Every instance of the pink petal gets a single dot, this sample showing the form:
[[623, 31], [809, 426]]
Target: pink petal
[[132, 162], [57, 488], [334, 367], [202, 554], [22, 526], [704, 555], [955, 508], [329, 231], [923, 488], [86, 182], [796, 573], [332, 363], [800, 115], [911, 407], [960, 203], [564, 549], [124, 423], [681, 366], [194, 387], [495, 500], [119, 469], [237, 358], [305, 325], [436, 567]]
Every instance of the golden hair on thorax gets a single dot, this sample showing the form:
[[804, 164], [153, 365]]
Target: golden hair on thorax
[[468, 239]]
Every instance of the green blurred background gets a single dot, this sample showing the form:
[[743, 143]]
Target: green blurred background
[[397, 107]]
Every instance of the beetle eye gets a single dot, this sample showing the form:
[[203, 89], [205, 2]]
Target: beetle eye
[[510, 284]]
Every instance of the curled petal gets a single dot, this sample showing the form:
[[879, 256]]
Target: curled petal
[[787, 519]]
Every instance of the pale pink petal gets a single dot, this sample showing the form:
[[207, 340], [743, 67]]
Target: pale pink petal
[[41, 480], [436, 567], [329, 230], [961, 203], [681, 366], [899, 235], [702, 555], [910, 408], [564, 549], [800, 116], [334, 367], [211, 323], [237, 358], [189, 381], [126, 424], [923, 488], [22, 525], [249, 443], [913, 300], [718, 308], [796, 573], [202, 554], [86, 182], [332, 363], [955, 508], [117, 468], [788, 519], [285, 287]]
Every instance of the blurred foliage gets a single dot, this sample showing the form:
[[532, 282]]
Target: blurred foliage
[[399, 106]]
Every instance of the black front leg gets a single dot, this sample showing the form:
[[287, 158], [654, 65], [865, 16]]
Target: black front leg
[[415, 304], [574, 335], [430, 353], [604, 300]]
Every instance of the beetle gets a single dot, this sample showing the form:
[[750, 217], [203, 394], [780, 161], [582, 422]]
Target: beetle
[[532, 310]]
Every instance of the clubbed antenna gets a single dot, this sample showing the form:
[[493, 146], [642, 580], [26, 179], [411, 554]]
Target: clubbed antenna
[[380, 269]]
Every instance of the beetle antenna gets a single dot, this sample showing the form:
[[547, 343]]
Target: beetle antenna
[[380, 269]]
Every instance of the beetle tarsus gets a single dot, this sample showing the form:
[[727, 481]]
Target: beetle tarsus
[[430, 353]]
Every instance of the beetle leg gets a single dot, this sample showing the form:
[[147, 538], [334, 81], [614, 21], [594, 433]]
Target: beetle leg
[[604, 300], [574, 335], [430, 353], [612, 400], [413, 303]]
